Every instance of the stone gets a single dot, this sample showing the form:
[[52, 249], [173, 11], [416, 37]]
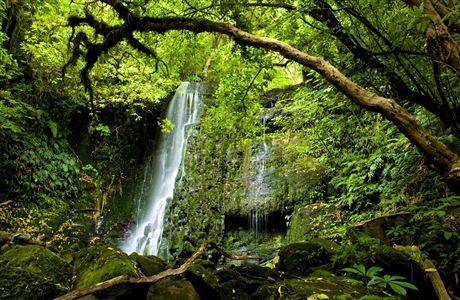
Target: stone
[[102, 262], [33, 272], [302, 258], [318, 283], [172, 289], [149, 265], [201, 275]]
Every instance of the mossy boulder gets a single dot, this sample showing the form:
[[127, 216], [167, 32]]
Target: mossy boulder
[[32, 272], [149, 265], [241, 281], [320, 284], [172, 289], [102, 262], [302, 258], [201, 275]]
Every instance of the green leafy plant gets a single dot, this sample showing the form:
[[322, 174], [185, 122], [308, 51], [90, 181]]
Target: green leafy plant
[[396, 283]]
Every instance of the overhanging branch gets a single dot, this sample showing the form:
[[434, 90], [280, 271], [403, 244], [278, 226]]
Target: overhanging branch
[[446, 160]]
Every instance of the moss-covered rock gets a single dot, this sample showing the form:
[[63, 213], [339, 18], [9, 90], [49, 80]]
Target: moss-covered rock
[[303, 258], [102, 262], [32, 272], [172, 289], [312, 221], [201, 275], [319, 283], [149, 265], [241, 281]]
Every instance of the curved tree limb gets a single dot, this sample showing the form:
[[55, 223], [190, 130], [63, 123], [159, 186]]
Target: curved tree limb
[[445, 159], [150, 279]]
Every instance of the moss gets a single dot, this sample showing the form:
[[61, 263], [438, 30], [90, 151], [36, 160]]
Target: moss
[[32, 272], [17, 283], [102, 262], [312, 221], [320, 282], [204, 280], [172, 289], [149, 265]]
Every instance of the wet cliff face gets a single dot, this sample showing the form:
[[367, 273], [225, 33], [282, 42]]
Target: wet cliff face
[[237, 189]]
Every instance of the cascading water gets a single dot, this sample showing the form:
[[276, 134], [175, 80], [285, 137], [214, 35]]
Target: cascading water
[[183, 112], [259, 188]]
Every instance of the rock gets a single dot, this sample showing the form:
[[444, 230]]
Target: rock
[[149, 265], [312, 221], [102, 262], [318, 283], [33, 272], [377, 227], [204, 280], [302, 258], [240, 282], [172, 289]]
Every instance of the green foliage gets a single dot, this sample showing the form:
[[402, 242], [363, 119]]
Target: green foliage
[[165, 125], [102, 129], [396, 283]]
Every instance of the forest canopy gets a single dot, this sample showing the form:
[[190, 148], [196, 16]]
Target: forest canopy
[[405, 81]]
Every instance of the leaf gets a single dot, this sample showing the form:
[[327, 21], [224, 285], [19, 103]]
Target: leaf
[[373, 271], [53, 127], [447, 235], [374, 281], [321, 296], [356, 269], [441, 213], [406, 285], [398, 289]]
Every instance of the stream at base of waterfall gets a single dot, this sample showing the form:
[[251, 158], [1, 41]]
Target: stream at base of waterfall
[[183, 112]]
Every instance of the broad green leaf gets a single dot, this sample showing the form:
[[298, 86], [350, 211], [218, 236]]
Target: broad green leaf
[[447, 235], [398, 289], [373, 271], [406, 285]]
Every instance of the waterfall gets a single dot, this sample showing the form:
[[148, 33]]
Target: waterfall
[[183, 112], [259, 187]]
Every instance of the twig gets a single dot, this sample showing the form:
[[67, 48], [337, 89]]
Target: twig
[[6, 203]]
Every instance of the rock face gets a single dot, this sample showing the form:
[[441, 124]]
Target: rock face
[[32, 272]]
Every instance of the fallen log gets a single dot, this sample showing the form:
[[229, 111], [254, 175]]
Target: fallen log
[[122, 279], [20, 238]]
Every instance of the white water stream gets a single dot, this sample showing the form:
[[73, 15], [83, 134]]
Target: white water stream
[[183, 112]]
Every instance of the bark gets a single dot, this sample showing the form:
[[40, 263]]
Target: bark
[[442, 10], [438, 38], [125, 279], [324, 13], [430, 269], [445, 160], [20, 238]]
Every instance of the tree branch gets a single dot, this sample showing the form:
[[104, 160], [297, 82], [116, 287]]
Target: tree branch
[[446, 160]]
